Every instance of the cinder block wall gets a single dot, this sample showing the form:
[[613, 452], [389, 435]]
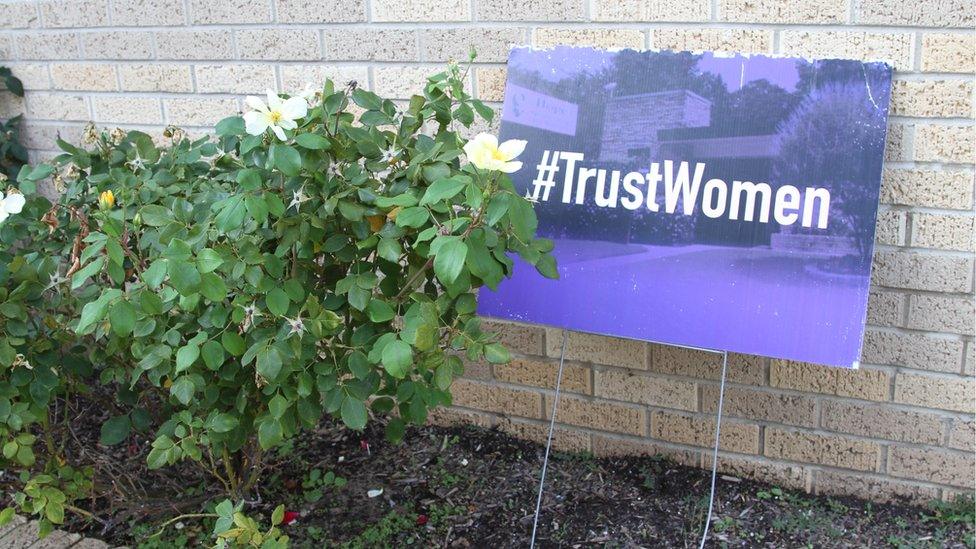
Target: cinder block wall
[[901, 426]]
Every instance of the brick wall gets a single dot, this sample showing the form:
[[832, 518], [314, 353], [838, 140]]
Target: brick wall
[[902, 425]]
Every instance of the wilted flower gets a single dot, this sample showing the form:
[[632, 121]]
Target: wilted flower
[[174, 133], [13, 203], [277, 114], [106, 200], [118, 134], [390, 155], [485, 153], [310, 94], [90, 136], [298, 198], [295, 326]]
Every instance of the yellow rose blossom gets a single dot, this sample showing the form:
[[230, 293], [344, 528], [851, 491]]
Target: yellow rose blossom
[[485, 153], [106, 200]]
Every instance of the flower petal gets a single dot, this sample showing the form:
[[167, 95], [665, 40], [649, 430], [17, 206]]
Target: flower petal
[[294, 108], [279, 132], [274, 102], [255, 123], [14, 203], [487, 140], [512, 148], [255, 103], [3, 214], [287, 124], [510, 167]]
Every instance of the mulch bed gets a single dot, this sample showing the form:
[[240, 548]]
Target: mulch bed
[[473, 487]]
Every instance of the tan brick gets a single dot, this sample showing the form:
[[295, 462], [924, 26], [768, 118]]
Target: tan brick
[[563, 439], [126, 110], [944, 52], [239, 79], [156, 13], [728, 40], [37, 136], [793, 477], [20, 15], [156, 78], [517, 10], [948, 232], [969, 359], [491, 44], [74, 13], [491, 83], [452, 417], [880, 421], [598, 414], [425, 11], [643, 389], [862, 383], [836, 483], [938, 354], [34, 76], [117, 45], [946, 13], [83, 77], [321, 11], [207, 45], [295, 77], [59, 46], [885, 308], [933, 391], [894, 48], [680, 361], [922, 271], [610, 351], [547, 37], [836, 451], [11, 105], [762, 405], [890, 228], [52, 106], [651, 10], [281, 44], [932, 98], [6, 47], [492, 398], [207, 12], [197, 111], [816, 12], [401, 82], [371, 45], [542, 373], [962, 435], [951, 189], [940, 466], [477, 370], [941, 143], [897, 143], [942, 313], [742, 438], [616, 446]]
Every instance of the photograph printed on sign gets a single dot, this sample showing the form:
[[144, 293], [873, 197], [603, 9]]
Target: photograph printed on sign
[[719, 201]]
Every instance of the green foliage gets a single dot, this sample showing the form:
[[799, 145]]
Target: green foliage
[[241, 287], [13, 154]]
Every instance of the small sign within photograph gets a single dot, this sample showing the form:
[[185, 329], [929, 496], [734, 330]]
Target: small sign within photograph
[[725, 202]]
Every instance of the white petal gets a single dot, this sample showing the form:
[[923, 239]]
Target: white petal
[[374, 493], [14, 203], [255, 123], [273, 100], [3, 214], [279, 132], [294, 108], [255, 103], [510, 167], [486, 140], [512, 148], [287, 124]]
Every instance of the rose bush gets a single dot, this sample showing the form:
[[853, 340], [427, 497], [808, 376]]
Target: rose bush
[[226, 293]]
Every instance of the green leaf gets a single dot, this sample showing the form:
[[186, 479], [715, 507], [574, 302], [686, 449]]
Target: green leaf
[[231, 215], [184, 277], [412, 217], [269, 434], [353, 413], [115, 430], [450, 260], [286, 159], [233, 343], [155, 215], [186, 356], [395, 430], [269, 363], [277, 301], [397, 358], [547, 266], [367, 100], [232, 125], [154, 275], [87, 271], [208, 260], [212, 287], [496, 353], [379, 311], [277, 406], [183, 390], [312, 141], [222, 423], [122, 316], [443, 189], [213, 354]]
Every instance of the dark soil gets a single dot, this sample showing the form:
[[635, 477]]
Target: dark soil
[[472, 487]]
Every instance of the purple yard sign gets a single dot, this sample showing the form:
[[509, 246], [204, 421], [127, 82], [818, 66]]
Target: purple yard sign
[[723, 202]]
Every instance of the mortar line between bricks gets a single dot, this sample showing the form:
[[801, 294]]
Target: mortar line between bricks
[[722, 453]]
